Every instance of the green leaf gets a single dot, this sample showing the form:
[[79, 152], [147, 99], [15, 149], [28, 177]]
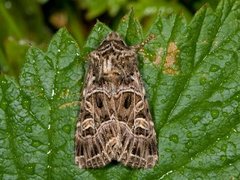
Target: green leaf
[[98, 7], [191, 74], [97, 34], [21, 25], [14, 58], [38, 117], [131, 29]]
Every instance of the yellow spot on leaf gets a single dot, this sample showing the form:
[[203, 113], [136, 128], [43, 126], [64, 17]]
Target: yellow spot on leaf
[[170, 65], [158, 58], [65, 93], [70, 104]]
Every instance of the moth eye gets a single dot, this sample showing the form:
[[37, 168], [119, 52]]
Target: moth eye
[[127, 102], [99, 102]]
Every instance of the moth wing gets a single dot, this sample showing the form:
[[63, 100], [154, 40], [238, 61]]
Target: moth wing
[[114, 122], [93, 126], [138, 137], [94, 130]]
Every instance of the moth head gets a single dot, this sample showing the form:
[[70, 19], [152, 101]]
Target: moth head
[[113, 37]]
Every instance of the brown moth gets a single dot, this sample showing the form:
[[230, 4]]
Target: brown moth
[[114, 121]]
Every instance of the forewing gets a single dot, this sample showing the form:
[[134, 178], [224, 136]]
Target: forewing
[[138, 137]]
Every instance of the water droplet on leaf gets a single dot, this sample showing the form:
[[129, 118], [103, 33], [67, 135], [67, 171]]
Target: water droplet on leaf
[[214, 113], [4, 105], [67, 129], [199, 178], [214, 68], [53, 92], [188, 96], [49, 152], [26, 104], [28, 129], [173, 156], [36, 143], [224, 147], [174, 138], [195, 119], [189, 134], [225, 114], [30, 168], [189, 144], [223, 158], [237, 96], [202, 80], [4, 81], [168, 150], [220, 57], [163, 100], [234, 130], [21, 119], [99, 29]]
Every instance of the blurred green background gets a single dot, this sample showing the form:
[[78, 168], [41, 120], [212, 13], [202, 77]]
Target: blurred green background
[[25, 23]]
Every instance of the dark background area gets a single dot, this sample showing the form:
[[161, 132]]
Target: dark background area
[[27, 23]]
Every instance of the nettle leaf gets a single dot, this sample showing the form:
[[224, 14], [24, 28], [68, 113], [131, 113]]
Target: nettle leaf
[[38, 116], [192, 77]]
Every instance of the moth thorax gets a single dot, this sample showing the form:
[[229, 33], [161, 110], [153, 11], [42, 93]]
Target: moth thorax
[[107, 66]]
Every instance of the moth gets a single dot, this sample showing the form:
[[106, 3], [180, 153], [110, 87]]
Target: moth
[[114, 122]]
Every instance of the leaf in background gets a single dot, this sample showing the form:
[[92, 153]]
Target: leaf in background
[[21, 21], [15, 53], [196, 4], [191, 73], [147, 10], [97, 7]]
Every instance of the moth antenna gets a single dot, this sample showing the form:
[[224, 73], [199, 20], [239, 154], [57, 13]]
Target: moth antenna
[[139, 47]]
